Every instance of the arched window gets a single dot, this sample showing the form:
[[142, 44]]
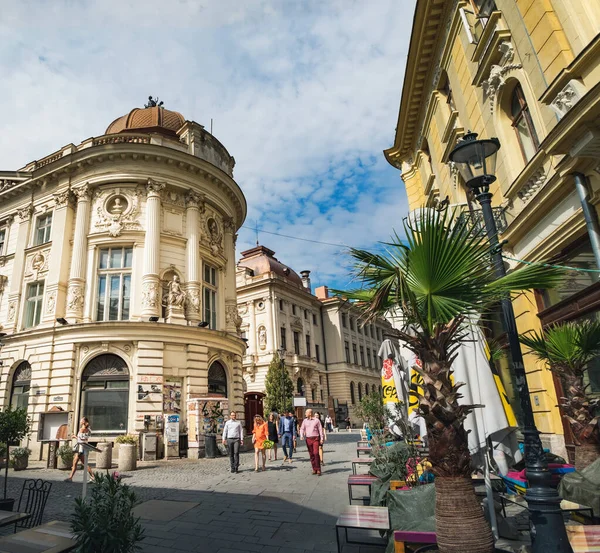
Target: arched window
[[381, 389], [217, 380], [523, 124], [105, 393], [359, 391], [300, 387], [366, 389], [21, 384], [352, 398]]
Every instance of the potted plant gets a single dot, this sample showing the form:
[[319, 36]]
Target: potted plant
[[65, 456], [214, 414], [127, 452], [441, 279], [567, 350], [105, 523], [20, 457], [14, 426]]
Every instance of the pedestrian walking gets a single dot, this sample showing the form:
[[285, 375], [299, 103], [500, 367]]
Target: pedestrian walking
[[348, 424], [287, 432], [312, 431], [82, 438], [321, 445], [273, 426], [233, 438], [259, 435], [329, 423]]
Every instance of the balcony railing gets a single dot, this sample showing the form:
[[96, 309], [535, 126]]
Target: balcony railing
[[474, 220]]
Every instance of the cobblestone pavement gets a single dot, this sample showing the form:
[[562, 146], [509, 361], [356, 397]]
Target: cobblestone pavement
[[206, 509]]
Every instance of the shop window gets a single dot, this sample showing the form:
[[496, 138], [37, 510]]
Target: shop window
[[21, 384], [352, 398], [43, 229], [33, 305], [114, 284], [210, 296], [523, 124], [105, 393], [217, 380]]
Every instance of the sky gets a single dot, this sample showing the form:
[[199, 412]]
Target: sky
[[304, 95]]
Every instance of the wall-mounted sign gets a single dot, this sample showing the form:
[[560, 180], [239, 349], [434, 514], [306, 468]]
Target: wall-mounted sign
[[57, 398]]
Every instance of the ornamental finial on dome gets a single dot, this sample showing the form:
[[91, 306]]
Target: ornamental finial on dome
[[152, 103]]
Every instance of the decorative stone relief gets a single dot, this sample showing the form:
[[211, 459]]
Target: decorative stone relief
[[193, 299], [232, 317], [171, 196], [508, 52], [63, 198], [215, 237], [75, 297], [25, 213], [497, 77], [150, 294], [12, 310], [37, 263], [118, 211], [229, 225], [5, 184], [83, 192], [3, 281], [51, 302], [262, 337], [243, 309], [175, 296], [532, 185], [572, 92], [154, 188]]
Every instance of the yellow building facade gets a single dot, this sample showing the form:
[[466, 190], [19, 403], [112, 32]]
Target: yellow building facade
[[527, 72]]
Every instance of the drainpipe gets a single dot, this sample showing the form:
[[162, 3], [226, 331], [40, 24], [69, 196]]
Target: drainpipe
[[589, 214], [325, 354]]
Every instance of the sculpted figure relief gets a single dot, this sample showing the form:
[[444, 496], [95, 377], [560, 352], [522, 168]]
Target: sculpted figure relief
[[176, 295]]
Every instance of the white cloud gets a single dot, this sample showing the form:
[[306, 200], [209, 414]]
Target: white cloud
[[303, 94]]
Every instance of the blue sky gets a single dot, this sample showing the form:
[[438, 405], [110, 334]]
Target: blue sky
[[305, 95]]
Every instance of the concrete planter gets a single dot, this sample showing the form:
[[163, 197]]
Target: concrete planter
[[63, 465], [104, 457], [21, 463], [127, 457]]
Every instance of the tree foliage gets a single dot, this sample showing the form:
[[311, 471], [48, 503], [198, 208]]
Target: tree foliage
[[279, 387], [104, 522], [372, 410], [14, 426]]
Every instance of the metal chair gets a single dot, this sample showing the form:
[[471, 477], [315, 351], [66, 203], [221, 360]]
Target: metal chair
[[34, 495]]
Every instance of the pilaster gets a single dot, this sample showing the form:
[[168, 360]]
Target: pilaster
[[232, 318], [194, 205]]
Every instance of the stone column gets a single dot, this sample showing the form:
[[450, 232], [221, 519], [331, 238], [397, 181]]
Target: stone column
[[151, 300], [16, 283], [77, 276], [232, 317], [194, 204]]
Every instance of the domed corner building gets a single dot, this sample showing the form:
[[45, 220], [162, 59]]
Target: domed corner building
[[117, 283]]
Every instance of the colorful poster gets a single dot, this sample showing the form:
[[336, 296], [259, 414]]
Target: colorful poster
[[172, 396]]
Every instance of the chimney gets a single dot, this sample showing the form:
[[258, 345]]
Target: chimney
[[322, 292], [306, 280]]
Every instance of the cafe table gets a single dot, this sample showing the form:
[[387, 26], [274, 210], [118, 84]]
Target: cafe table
[[9, 517], [54, 537]]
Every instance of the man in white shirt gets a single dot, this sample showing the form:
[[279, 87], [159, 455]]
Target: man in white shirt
[[329, 423], [233, 438]]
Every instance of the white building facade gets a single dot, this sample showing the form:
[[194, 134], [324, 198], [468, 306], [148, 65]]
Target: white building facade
[[112, 253], [331, 358]]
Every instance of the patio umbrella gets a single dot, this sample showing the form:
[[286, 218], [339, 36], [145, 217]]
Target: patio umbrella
[[394, 382]]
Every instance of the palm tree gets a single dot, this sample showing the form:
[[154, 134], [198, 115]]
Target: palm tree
[[442, 279], [568, 349]]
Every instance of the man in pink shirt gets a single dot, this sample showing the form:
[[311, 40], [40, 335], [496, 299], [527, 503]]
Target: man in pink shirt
[[312, 430]]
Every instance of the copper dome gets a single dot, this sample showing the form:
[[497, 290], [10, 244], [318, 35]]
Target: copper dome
[[261, 260], [149, 119]]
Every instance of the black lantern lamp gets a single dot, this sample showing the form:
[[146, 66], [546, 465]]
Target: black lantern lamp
[[476, 161]]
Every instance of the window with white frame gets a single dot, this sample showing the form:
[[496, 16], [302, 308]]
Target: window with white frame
[[2, 240], [33, 304], [210, 296], [114, 284], [43, 229]]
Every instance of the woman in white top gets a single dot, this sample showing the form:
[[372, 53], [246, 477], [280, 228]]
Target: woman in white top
[[82, 437]]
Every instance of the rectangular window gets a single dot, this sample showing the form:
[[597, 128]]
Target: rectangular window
[[114, 284], [372, 331], [210, 296], [314, 319], [374, 359], [344, 318], [351, 323], [313, 394], [297, 343], [43, 228], [321, 395], [293, 309], [317, 354], [355, 354], [308, 350], [362, 356], [35, 300], [377, 330], [280, 305], [347, 348], [369, 357], [2, 240], [306, 314], [283, 338]]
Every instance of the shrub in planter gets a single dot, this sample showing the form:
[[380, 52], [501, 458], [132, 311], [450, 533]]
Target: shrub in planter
[[65, 456], [20, 457], [127, 452], [14, 426], [105, 523]]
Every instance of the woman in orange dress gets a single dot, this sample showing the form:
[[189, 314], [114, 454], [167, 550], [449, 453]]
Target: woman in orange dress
[[259, 435]]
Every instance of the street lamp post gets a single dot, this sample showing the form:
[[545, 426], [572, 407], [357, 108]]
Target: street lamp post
[[476, 162], [281, 351]]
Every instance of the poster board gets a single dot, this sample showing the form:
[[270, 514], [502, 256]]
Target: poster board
[[172, 395], [51, 421], [171, 436]]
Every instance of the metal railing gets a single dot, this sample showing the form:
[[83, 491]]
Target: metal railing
[[474, 220]]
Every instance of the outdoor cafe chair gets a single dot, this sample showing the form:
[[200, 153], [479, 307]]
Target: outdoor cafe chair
[[32, 500]]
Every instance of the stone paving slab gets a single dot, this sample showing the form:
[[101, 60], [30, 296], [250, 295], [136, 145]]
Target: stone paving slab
[[159, 509]]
